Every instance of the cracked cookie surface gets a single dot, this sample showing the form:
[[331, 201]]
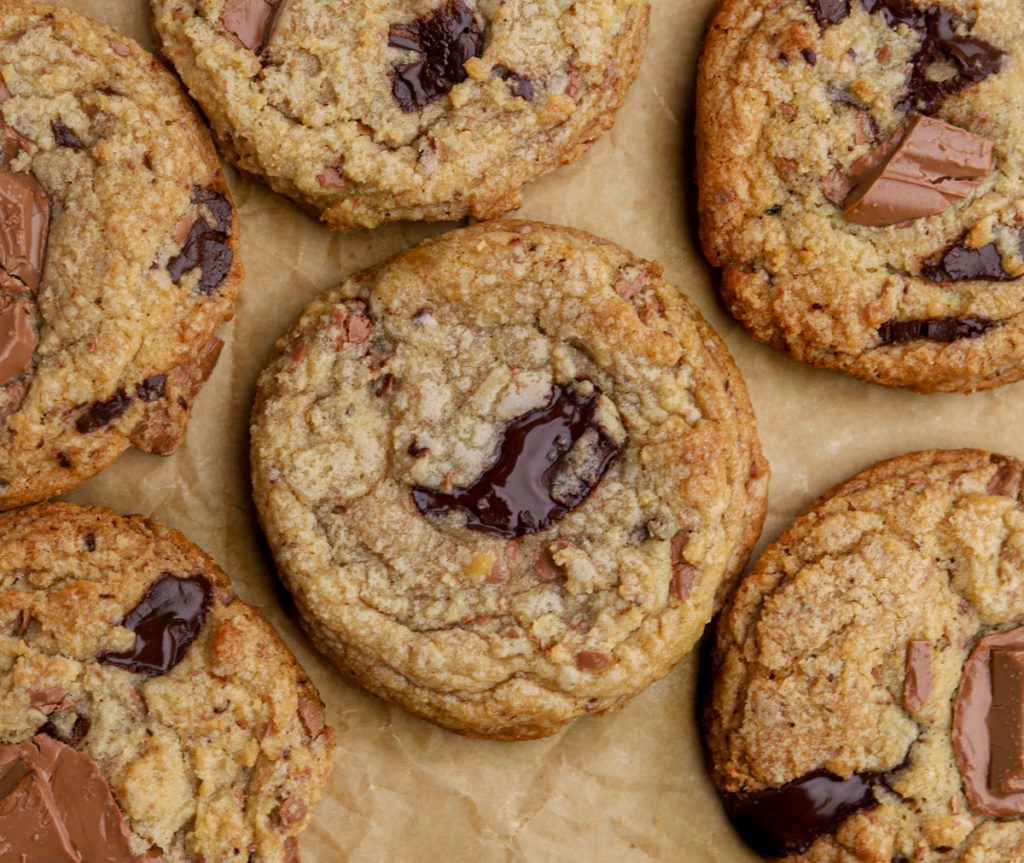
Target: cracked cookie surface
[[124, 642], [506, 476], [410, 109], [792, 96], [845, 672]]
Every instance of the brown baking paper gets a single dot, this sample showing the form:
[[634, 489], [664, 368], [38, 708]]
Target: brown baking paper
[[630, 787]]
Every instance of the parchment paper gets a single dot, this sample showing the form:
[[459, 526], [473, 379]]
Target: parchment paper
[[631, 787]]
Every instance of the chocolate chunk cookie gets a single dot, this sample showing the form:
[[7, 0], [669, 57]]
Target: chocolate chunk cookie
[[118, 252], [862, 187], [868, 676], [407, 109], [506, 476], [146, 714]]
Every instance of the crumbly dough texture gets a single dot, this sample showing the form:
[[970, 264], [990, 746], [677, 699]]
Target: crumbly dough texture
[[809, 664], [456, 338], [775, 131], [224, 757], [110, 316], [319, 99]]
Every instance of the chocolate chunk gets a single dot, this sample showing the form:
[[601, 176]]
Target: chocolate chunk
[[946, 330], [962, 262], [206, 245], [446, 39], [76, 733], [972, 58], [920, 171], [17, 339], [516, 495], [809, 56], [64, 136], [829, 12], [55, 806], [103, 413], [777, 822], [520, 86], [987, 726], [593, 660], [12, 144], [250, 21], [24, 225], [152, 388], [165, 623], [1005, 481], [917, 685]]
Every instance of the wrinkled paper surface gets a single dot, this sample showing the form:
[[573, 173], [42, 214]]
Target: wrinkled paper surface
[[630, 787]]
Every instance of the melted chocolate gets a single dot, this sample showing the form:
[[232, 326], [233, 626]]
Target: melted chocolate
[[446, 39], [206, 245], [961, 262], [935, 329], [780, 821], [829, 12], [165, 623], [65, 137], [973, 58], [515, 496], [102, 413]]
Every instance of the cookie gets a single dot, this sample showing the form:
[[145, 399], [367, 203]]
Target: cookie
[[506, 476], [140, 695], [862, 187], [866, 699], [410, 109], [118, 252]]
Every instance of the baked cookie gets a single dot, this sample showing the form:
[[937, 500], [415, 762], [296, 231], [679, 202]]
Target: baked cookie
[[146, 714], [118, 252], [862, 183], [407, 109], [506, 476], [868, 676]]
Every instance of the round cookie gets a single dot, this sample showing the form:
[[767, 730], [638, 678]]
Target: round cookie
[[862, 187], [173, 712], [866, 702], [506, 476], [409, 109], [118, 252]]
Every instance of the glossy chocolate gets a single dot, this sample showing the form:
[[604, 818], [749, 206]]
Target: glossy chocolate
[[24, 226], [206, 245], [917, 685], [1006, 722], [515, 496], [250, 21], [446, 40], [56, 807], [961, 262], [776, 822], [17, 339], [945, 330], [165, 623], [829, 12], [103, 413]]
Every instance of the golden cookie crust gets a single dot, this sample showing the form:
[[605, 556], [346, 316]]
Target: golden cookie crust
[[810, 666], [784, 108], [315, 117], [225, 756], [406, 375], [113, 326]]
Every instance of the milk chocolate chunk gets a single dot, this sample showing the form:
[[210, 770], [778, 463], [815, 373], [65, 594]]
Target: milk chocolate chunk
[[103, 413], [56, 807], [517, 495], [920, 171], [988, 726], [917, 685], [17, 339], [829, 12], [24, 224], [206, 245], [250, 21], [946, 330], [446, 40], [165, 623], [777, 822]]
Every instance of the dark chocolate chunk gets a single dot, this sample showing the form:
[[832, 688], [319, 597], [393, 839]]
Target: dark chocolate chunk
[[102, 413], [947, 330], [829, 12], [777, 822], [809, 56], [90, 541], [152, 388], [75, 735], [446, 39], [516, 495], [206, 245], [774, 210], [64, 136], [520, 86], [962, 262], [165, 623]]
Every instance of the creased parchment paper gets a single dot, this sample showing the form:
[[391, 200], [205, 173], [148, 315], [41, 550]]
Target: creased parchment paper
[[630, 787]]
